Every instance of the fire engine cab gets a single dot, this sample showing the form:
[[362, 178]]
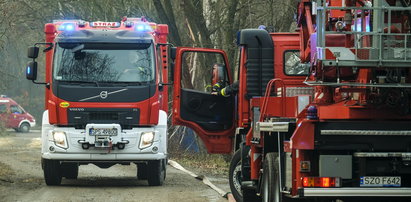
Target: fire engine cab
[[105, 98]]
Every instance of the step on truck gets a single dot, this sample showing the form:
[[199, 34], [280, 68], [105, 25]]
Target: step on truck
[[105, 102], [321, 113]]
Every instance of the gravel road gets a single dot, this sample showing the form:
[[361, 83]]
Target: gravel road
[[21, 179]]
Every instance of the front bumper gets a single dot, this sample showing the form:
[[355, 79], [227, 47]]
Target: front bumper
[[131, 157], [352, 191], [130, 153], [32, 124]]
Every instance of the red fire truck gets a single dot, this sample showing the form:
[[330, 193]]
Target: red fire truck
[[320, 113], [12, 115], [105, 98]]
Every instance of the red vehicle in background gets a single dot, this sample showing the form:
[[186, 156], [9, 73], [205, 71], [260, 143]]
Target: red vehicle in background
[[12, 115]]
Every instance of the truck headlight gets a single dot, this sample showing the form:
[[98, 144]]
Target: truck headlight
[[146, 140], [60, 139]]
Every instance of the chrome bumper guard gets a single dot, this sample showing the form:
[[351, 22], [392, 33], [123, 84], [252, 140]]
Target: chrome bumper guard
[[333, 192]]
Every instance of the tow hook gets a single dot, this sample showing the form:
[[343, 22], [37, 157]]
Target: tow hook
[[122, 144], [84, 144]]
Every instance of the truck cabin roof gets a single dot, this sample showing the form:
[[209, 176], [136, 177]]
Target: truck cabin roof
[[7, 100], [104, 36]]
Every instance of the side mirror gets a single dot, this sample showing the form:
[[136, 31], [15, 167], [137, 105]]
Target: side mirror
[[31, 71], [33, 52], [173, 53], [171, 72]]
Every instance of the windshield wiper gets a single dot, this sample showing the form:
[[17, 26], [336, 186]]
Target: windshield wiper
[[125, 83], [110, 83], [83, 82]]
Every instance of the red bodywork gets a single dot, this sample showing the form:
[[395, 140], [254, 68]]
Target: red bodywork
[[341, 97], [149, 108], [215, 141], [12, 115]]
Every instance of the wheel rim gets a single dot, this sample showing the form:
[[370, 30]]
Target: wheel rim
[[24, 128], [237, 178]]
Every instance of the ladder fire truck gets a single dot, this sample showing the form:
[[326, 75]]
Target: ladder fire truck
[[104, 97], [320, 113]]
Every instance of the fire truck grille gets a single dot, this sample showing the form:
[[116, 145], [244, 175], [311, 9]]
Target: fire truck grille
[[80, 117], [98, 116]]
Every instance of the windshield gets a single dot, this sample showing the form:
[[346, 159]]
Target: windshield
[[93, 62]]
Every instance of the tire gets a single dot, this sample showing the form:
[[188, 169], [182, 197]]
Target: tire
[[235, 179], [52, 172], [142, 171], [24, 128], [270, 187], [156, 172], [69, 170], [235, 176]]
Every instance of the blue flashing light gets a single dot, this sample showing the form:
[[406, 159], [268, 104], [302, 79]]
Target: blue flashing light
[[28, 70], [67, 27], [143, 28], [140, 28]]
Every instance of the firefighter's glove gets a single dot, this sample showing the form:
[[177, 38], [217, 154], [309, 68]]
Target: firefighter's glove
[[216, 87]]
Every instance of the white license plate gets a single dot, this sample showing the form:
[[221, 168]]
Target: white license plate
[[103, 131], [385, 181]]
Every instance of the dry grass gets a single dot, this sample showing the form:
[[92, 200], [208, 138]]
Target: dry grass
[[6, 173], [215, 164]]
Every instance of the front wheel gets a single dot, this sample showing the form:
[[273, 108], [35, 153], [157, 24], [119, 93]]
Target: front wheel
[[235, 176], [52, 172], [156, 171], [24, 128]]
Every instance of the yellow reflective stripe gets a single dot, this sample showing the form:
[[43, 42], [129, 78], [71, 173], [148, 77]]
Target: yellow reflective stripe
[[218, 85], [223, 92]]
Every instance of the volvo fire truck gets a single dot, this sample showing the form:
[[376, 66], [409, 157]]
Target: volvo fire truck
[[321, 113], [105, 102]]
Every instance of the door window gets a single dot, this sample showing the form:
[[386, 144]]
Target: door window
[[16, 109], [292, 64], [202, 70], [3, 108]]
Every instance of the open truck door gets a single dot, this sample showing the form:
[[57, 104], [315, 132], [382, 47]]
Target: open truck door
[[198, 72]]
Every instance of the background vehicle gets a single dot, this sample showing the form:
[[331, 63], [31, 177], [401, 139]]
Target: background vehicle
[[104, 97], [12, 115], [323, 112]]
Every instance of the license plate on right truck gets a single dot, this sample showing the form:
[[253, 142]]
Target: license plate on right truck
[[380, 181]]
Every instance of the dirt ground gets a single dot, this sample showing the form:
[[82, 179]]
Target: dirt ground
[[21, 179]]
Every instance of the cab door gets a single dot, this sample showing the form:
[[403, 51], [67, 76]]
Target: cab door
[[210, 116], [4, 115]]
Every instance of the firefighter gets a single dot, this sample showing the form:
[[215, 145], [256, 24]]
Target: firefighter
[[219, 87], [231, 89], [218, 78]]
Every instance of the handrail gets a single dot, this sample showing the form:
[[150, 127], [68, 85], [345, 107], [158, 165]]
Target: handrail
[[267, 95]]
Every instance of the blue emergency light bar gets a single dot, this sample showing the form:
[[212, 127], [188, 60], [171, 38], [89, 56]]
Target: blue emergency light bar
[[143, 28], [67, 27], [71, 25]]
